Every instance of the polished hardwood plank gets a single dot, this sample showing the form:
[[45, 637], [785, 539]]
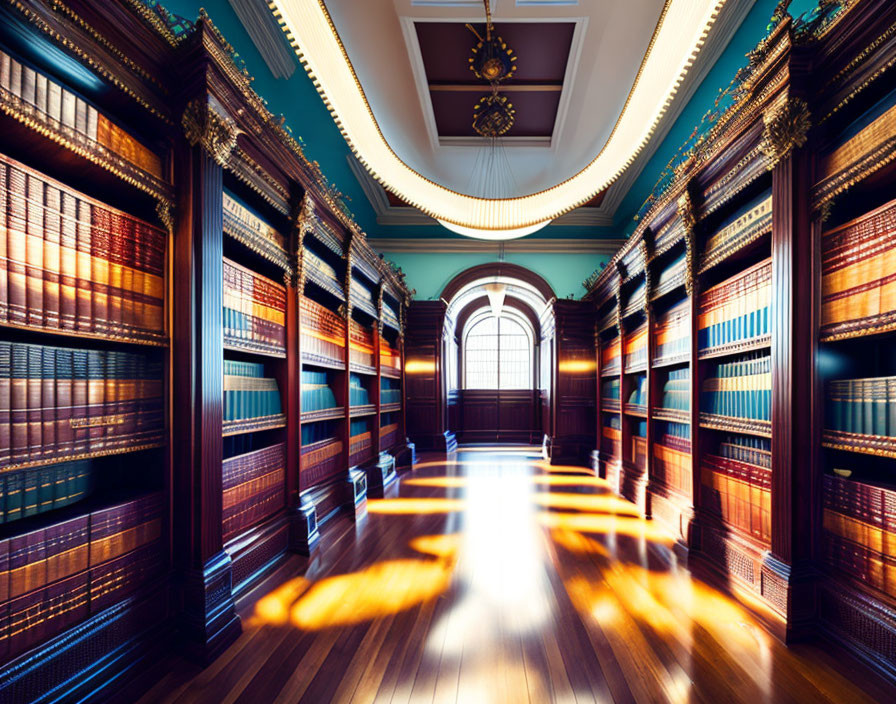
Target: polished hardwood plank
[[491, 576]]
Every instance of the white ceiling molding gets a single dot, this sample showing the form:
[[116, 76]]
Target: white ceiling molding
[[266, 35], [390, 215], [681, 32], [402, 245]]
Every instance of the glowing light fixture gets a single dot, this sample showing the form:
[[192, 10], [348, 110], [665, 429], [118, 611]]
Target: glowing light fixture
[[496, 293], [679, 35]]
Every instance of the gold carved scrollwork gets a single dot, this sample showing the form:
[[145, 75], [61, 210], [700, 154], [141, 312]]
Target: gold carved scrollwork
[[786, 127], [645, 252], [214, 132], [165, 213], [686, 212]]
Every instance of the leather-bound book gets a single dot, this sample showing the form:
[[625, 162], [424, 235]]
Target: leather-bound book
[[79, 422], [68, 262], [52, 256], [4, 240], [85, 269], [27, 562], [96, 394], [16, 247], [34, 253], [67, 548], [34, 414], [65, 434], [5, 403], [48, 404], [99, 261], [118, 530], [112, 581]]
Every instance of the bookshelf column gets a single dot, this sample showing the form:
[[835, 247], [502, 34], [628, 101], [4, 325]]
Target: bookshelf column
[[209, 619], [787, 581]]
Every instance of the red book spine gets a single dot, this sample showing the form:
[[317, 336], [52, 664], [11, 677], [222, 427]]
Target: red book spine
[[16, 247], [4, 242], [34, 253], [68, 263], [116, 239], [85, 286], [52, 257], [99, 266]]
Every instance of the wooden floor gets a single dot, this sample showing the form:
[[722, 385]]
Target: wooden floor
[[496, 578]]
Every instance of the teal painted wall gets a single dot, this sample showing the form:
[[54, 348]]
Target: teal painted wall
[[429, 273]]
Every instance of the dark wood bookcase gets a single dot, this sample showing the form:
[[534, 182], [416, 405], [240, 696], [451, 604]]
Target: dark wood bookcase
[[165, 229], [768, 252]]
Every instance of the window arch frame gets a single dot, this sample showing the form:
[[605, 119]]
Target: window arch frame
[[517, 318]]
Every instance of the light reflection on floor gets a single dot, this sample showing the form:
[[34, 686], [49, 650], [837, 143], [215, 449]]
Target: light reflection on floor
[[543, 587]]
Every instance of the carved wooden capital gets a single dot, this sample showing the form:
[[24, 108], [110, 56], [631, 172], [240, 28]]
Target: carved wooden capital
[[165, 213], [214, 132], [786, 127]]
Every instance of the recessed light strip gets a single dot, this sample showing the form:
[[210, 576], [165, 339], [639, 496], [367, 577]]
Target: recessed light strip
[[678, 37]]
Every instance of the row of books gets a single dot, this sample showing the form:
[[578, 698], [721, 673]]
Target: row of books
[[254, 310], [390, 391], [244, 225], [740, 493], [390, 358], [672, 463], [360, 440], [873, 505], [317, 394], [357, 393], [863, 406], [323, 333], [858, 261], [253, 488], [72, 263], [320, 269], [677, 390], [740, 389], [609, 390], [65, 111], [321, 460], [747, 449], [639, 444], [360, 342], [27, 492], [610, 356], [58, 576], [248, 393], [57, 403], [636, 299], [611, 436], [362, 294], [638, 395], [673, 332], [672, 276], [860, 563], [636, 348], [390, 315], [741, 228], [388, 435], [736, 309]]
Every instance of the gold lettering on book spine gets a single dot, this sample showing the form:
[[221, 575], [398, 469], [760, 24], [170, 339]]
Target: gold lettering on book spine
[[205, 127], [786, 128]]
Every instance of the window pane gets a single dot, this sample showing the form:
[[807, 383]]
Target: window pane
[[481, 355], [516, 356], [497, 354]]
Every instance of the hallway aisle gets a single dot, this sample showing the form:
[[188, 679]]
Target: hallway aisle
[[494, 577]]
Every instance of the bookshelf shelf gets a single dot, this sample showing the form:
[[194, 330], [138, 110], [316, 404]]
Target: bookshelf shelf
[[239, 427], [337, 413], [315, 360], [735, 348], [144, 341], [877, 331], [610, 405], [362, 369], [244, 348], [106, 452], [631, 409], [390, 372], [876, 445], [326, 284], [23, 123], [390, 408], [639, 368], [361, 411], [671, 361], [671, 415], [610, 371], [758, 428]]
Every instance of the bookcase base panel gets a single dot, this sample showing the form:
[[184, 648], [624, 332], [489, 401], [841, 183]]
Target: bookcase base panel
[[862, 624], [612, 472], [748, 573], [633, 486], [440, 442], [304, 533], [566, 450], [380, 475], [257, 551], [209, 622], [356, 492], [405, 457], [93, 657], [672, 510], [594, 462]]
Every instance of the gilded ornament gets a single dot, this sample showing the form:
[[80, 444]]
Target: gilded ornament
[[786, 128], [214, 132], [165, 213]]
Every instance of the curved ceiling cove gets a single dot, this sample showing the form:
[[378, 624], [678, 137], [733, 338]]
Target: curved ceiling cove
[[677, 38]]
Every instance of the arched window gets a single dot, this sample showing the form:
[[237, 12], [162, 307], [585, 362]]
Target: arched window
[[497, 352]]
